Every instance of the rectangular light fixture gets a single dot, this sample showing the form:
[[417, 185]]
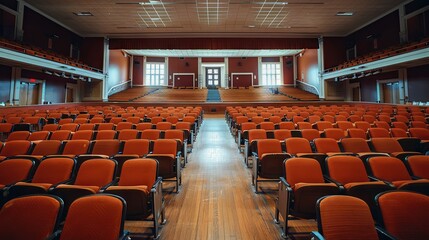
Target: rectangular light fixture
[[345, 13], [83, 14]]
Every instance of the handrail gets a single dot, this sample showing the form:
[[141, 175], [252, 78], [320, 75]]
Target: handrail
[[309, 85], [117, 85]]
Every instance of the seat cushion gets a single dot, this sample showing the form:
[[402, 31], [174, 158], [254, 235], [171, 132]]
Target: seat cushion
[[141, 188]]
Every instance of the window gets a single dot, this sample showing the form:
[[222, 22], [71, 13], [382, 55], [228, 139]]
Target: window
[[155, 74], [271, 74]]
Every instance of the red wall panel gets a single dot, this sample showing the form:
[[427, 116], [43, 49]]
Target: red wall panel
[[241, 81], [92, 52], [138, 65], [243, 65], [288, 70], [185, 65], [212, 60], [183, 81]]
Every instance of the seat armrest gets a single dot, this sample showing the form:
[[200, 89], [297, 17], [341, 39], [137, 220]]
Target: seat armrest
[[54, 235], [383, 234], [339, 185], [155, 185], [112, 183], [284, 182], [316, 236], [372, 178]]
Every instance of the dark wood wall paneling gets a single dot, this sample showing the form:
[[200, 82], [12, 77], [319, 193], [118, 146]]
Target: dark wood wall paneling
[[334, 51], [213, 43], [368, 85], [38, 29], [12, 4], [418, 26], [378, 35], [7, 25], [182, 65], [55, 90], [138, 66], [243, 65], [92, 52], [418, 83], [288, 70], [5, 80]]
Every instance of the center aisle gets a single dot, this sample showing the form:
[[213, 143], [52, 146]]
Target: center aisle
[[216, 200]]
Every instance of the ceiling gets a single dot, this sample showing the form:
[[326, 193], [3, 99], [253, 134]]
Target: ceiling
[[223, 18], [213, 53]]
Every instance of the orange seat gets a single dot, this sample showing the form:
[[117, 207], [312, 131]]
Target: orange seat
[[418, 166]]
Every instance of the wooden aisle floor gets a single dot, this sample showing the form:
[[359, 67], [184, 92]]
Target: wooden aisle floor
[[217, 200]]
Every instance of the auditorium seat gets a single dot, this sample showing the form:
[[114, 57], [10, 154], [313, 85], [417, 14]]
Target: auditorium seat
[[126, 134], [287, 125], [60, 135], [50, 127], [393, 170], [268, 161], [163, 125], [300, 189], [382, 124], [39, 135], [124, 125], [150, 134], [400, 125], [133, 148], [356, 133], [418, 166], [13, 171], [334, 133], [328, 146], [30, 217], [17, 147], [403, 215], [19, 135], [344, 125], [344, 217], [98, 216], [378, 133], [143, 126], [141, 188], [362, 125], [86, 126], [105, 126], [282, 134], [310, 134], [390, 146], [300, 147], [250, 142]]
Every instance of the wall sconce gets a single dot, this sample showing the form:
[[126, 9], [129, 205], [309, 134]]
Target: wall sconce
[[186, 64]]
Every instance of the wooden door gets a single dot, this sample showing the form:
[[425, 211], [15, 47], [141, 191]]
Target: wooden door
[[70, 95], [213, 77], [356, 94]]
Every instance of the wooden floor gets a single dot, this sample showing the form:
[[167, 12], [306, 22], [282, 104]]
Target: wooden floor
[[217, 200]]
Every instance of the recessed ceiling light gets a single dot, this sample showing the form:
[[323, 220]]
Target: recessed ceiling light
[[251, 26], [83, 14], [345, 13], [155, 19]]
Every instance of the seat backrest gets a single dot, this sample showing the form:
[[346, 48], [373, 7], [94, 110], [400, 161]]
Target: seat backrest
[[404, 214], [384, 118], [282, 134], [143, 126], [287, 125], [398, 133], [139, 171], [355, 145], [418, 124], [346, 169], [419, 165], [76, 147], [30, 217], [266, 125], [420, 133], [126, 134], [326, 145], [86, 127], [269, 146], [136, 146], [54, 170], [303, 170], [400, 125], [98, 216], [107, 147], [401, 118], [50, 127], [105, 134], [150, 134], [69, 126], [344, 125], [334, 133], [304, 125], [165, 146], [39, 135], [46, 147], [123, 125], [322, 125], [388, 168], [356, 133], [378, 133], [183, 125], [297, 145], [174, 134], [362, 125], [17, 147], [310, 134], [15, 170], [386, 145], [247, 126], [105, 126], [60, 135], [155, 120], [382, 124], [83, 134], [345, 217], [164, 125], [257, 134], [96, 172], [19, 135]]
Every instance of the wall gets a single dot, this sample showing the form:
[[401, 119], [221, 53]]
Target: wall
[[92, 52], [5, 79], [55, 90], [7, 25], [308, 70], [368, 85], [418, 83], [138, 64], [334, 51], [185, 65], [380, 34], [38, 29], [118, 68], [288, 70], [243, 65]]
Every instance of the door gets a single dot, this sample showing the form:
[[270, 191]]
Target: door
[[70, 94], [213, 77], [28, 93], [356, 94], [391, 92]]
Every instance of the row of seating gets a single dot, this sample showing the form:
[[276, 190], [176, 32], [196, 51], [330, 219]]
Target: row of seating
[[304, 182], [138, 184], [401, 215]]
